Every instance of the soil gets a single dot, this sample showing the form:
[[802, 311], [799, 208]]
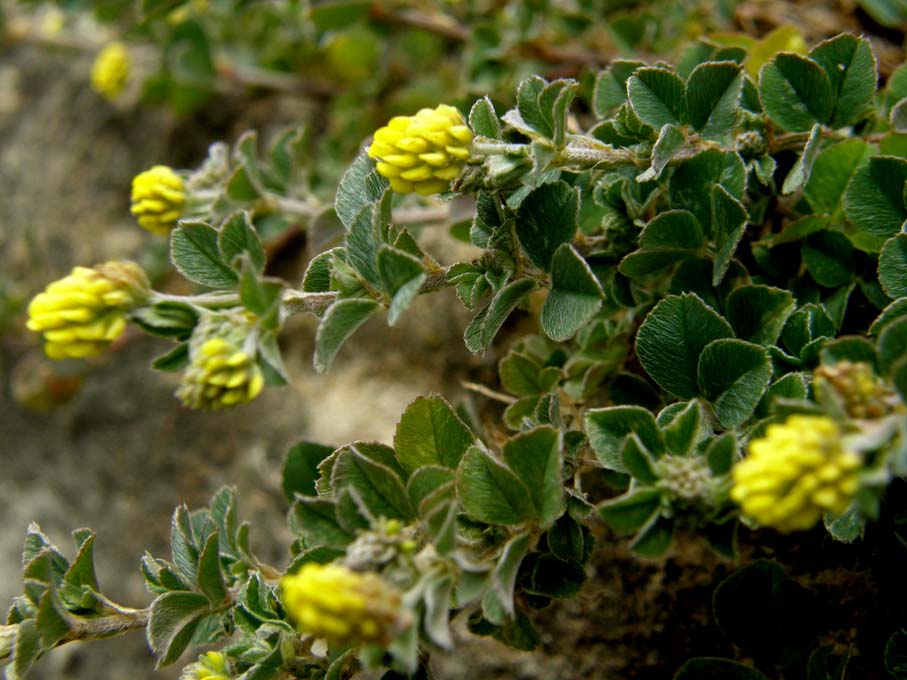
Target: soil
[[122, 453]]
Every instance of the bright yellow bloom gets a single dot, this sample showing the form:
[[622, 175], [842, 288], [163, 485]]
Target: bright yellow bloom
[[110, 70], [81, 314], [158, 199], [795, 473], [422, 153], [210, 666], [221, 375], [333, 602]]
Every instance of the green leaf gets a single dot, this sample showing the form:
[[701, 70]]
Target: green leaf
[[829, 258], [713, 95], [237, 236], [721, 454], [670, 237], [851, 67], [758, 313], [195, 253], [334, 15], [765, 612], [27, 650], [52, 620], [892, 344], [670, 140], [536, 459], [490, 492], [182, 544], [874, 202], [315, 519], [684, 428], [173, 618], [654, 539], [81, 572], [893, 266], [547, 218], [481, 331], [317, 277], [425, 481], [362, 243], [708, 668], [733, 375], [800, 173], [796, 92], [609, 427], [566, 539], [524, 376], [483, 120], [610, 90], [896, 655], [431, 433], [261, 296], [379, 486], [438, 593], [555, 578], [637, 460], [657, 96], [402, 275], [497, 602], [210, 578], [729, 219], [340, 321], [831, 173], [361, 185], [673, 336], [575, 295], [300, 468], [691, 183], [167, 319], [805, 325]]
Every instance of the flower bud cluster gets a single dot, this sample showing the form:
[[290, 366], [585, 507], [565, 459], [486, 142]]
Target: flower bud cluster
[[342, 606], [797, 472], [422, 153], [110, 70], [856, 387], [158, 199], [81, 314], [221, 375]]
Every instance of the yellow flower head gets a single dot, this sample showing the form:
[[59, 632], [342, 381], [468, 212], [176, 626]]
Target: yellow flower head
[[210, 666], [333, 602], [855, 386], [110, 70], [422, 153], [795, 473], [158, 199], [220, 375], [81, 314]]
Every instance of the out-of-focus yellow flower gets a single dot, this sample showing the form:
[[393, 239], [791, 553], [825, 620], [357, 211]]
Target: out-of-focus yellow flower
[[210, 666], [422, 153], [797, 472], [110, 70], [158, 198], [81, 314], [333, 602], [220, 375]]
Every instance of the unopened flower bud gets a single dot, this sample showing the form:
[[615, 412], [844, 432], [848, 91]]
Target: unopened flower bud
[[210, 666], [158, 199], [855, 386], [110, 70], [221, 375], [422, 153], [797, 472], [81, 314], [342, 606]]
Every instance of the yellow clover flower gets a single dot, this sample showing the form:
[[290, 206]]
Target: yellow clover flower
[[210, 666], [110, 70], [220, 375], [81, 314], [422, 153], [797, 472], [158, 199], [333, 602]]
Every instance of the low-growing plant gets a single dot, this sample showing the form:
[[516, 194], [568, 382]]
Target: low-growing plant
[[714, 252]]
